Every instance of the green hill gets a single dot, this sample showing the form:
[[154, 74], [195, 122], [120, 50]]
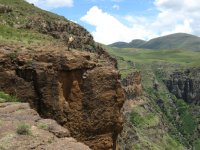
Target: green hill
[[136, 43], [133, 44], [172, 41], [119, 45]]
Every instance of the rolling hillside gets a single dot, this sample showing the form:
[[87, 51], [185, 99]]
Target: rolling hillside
[[173, 41], [133, 44]]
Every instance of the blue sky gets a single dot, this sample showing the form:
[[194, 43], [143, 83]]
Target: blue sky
[[124, 20]]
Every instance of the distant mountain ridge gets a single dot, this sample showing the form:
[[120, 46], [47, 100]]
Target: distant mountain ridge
[[172, 41]]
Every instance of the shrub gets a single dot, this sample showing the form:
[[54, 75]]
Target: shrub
[[23, 129], [7, 98], [43, 126]]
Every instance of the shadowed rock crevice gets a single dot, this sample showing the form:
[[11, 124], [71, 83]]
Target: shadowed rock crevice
[[185, 85], [31, 76]]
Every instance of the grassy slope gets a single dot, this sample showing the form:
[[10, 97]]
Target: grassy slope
[[22, 36], [175, 115], [119, 44], [133, 44], [174, 41], [22, 13]]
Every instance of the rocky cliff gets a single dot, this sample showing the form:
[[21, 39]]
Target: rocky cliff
[[77, 89], [133, 90], [132, 85], [21, 15], [185, 85]]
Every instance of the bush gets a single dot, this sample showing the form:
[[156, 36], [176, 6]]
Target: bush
[[7, 98], [43, 126], [24, 129]]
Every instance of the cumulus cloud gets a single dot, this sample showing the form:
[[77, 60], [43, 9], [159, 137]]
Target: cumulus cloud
[[49, 4], [178, 15], [109, 29], [173, 16]]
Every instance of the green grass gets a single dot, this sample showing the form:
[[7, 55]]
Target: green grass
[[171, 144], [13, 25], [26, 37], [24, 12], [142, 119], [43, 126], [7, 98], [187, 120], [180, 57], [24, 129], [196, 145]]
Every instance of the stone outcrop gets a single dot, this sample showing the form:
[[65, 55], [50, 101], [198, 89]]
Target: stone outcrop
[[50, 24], [132, 85], [43, 133], [133, 89], [76, 89], [185, 85], [63, 30], [5, 8]]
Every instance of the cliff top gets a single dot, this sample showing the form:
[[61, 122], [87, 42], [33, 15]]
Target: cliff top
[[22, 128]]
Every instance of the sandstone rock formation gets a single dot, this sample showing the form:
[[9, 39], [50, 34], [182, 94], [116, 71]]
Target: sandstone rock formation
[[41, 137], [133, 90], [77, 89], [80, 88], [132, 85], [185, 85]]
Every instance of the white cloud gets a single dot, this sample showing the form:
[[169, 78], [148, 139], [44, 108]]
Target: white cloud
[[173, 16], [49, 4], [115, 6], [109, 29], [178, 16]]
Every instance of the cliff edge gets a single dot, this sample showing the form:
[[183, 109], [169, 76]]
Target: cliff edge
[[80, 88]]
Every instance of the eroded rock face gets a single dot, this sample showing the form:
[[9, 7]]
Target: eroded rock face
[[185, 85], [71, 87], [133, 89], [63, 30], [132, 85]]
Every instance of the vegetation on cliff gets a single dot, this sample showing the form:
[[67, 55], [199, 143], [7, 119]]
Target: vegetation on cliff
[[7, 98], [158, 119]]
